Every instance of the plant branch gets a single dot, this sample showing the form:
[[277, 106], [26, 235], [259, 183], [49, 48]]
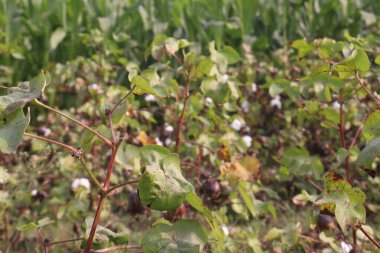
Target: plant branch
[[180, 119], [95, 223], [377, 244], [374, 99], [65, 241], [316, 186], [111, 164], [108, 142], [72, 149], [103, 196], [121, 100], [118, 247], [121, 185], [92, 176], [342, 138]]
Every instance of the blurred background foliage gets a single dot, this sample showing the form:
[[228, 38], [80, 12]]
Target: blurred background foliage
[[37, 34], [91, 46]]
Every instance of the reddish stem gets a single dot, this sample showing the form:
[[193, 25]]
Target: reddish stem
[[65, 241], [118, 247], [374, 99], [95, 223], [315, 184], [342, 138], [369, 237], [180, 119], [102, 197], [51, 141]]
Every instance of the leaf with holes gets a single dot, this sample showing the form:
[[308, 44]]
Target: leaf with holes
[[162, 186]]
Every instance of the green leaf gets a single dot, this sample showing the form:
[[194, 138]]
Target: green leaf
[[162, 186], [32, 225], [171, 46], [104, 237], [303, 47], [193, 199], [248, 198], [23, 94], [215, 90], [56, 38], [371, 127], [357, 61], [12, 128], [184, 236], [143, 85], [345, 201], [230, 54], [299, 162], [368, 154], [203, 67]]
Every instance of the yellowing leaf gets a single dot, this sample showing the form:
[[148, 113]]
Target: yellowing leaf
[[242, 169]]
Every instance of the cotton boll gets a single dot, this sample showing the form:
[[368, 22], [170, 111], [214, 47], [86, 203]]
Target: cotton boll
[[236, 124], [150, 98], [168, 141], [168, 128], [336, 105], [224, 78], [276, 101], [208, 100], [247, 140], [245, 106], [254, 87], [225, 230], [345, 247], [80, 182], [77, 182], [158, 141], [34, 192]]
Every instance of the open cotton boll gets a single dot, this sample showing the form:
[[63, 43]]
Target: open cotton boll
[[245, 106], [236, 124], [77, 182], [168, 141], [150, 98], [254, 87], [336, 105], [168, 128], [225, 230], [224, 78], [345, 247], [208, 100], [247, 140], [276, 101], [158, 141]]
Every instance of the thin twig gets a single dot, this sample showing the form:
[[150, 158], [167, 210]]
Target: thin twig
[[374, 99], [72, 149], [121, 100], [118, 247], [65, 241], [111, 165], [342, 137], [111, 127], [108, 142], [180, 119], [92, 176], [314, 184], [369, 237], [121, 185]]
